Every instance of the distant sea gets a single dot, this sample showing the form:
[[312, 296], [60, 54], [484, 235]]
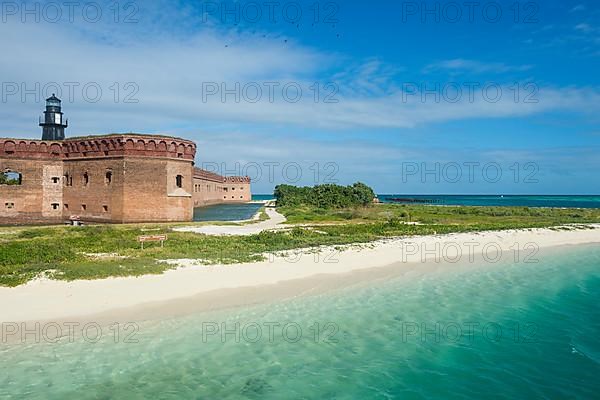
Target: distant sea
[[501, 331], [488, 200], [261, 197]]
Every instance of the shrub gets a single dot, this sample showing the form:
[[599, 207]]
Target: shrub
[[325, 196]]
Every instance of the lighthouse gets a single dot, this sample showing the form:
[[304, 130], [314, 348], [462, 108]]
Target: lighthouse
[[53, 123]]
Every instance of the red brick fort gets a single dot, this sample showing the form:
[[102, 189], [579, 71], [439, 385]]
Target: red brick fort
[[116, 178]]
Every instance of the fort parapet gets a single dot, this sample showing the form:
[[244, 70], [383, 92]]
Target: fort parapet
[[100, 146], [111, 178]]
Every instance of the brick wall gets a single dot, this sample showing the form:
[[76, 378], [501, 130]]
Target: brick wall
[[93, 189], [237, 189], [151, 191], [113, 178], [39, 196], [210, 188]]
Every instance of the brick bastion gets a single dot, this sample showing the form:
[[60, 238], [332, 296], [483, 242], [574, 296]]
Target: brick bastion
[[117, 178]]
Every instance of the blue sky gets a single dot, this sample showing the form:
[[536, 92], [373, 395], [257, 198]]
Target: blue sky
[[424, 100]]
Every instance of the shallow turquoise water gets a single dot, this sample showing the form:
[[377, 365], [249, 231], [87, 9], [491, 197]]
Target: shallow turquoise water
[[528, 331]]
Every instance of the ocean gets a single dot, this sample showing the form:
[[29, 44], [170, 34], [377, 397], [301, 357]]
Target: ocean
[[512, 330]]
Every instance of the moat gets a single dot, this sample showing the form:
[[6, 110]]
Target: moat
[[226, 212]]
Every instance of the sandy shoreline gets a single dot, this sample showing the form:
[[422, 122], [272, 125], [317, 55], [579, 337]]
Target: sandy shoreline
[[194, 287]]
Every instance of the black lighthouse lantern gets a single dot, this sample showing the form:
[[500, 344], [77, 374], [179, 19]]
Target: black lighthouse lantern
[[53, 123]]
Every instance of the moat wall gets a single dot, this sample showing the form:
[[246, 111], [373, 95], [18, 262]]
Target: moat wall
[[210, 188]]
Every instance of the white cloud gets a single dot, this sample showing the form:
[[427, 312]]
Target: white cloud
[[169, 69], [381, 164]]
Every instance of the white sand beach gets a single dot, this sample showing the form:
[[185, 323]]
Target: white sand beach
[[49, 300]]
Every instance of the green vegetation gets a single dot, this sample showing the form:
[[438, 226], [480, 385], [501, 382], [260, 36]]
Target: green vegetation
[[485, 217], [92, 252], [324, 196]]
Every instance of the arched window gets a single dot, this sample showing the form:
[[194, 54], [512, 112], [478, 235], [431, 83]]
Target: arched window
[[108, 177], [179, 181], [86, 179]]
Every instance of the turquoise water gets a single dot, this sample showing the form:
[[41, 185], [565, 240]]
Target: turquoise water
[[261, 197], [537, 336], [226, 212]]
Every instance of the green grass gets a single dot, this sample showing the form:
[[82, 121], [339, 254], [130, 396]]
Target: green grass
[[66, 253], [500, 216]]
